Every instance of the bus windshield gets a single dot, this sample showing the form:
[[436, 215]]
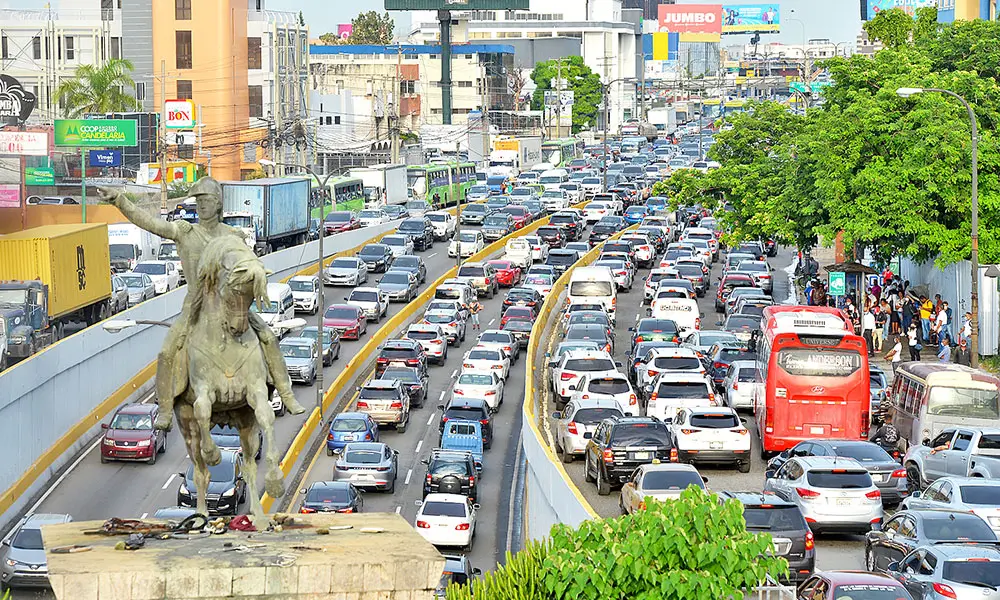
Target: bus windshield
[[417, 181], [964, 402]]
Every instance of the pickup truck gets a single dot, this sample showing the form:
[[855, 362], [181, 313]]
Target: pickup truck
[[956, 452], [464, 436]]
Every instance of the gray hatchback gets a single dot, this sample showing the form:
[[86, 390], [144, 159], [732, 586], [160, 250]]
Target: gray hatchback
[[24, 563]]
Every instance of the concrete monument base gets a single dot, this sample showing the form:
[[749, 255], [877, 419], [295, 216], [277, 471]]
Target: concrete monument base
[[296, 563]]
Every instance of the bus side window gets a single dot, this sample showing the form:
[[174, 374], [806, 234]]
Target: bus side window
[[918, 397]]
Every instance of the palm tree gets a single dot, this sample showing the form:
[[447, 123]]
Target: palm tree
[[98, 89]]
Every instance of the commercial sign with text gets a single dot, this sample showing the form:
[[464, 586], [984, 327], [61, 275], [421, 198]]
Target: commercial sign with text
[[10, 195], [179, 114], [105, 158], [873, 7], [751, 18], [39, 176], [694, 22], [96, 133], [24, 143], [16, 103]]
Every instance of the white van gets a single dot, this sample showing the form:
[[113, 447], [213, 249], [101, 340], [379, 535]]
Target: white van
[[282, 307], [595, 285], [518, 251], [461, 293], [682, 311], [553, 179]]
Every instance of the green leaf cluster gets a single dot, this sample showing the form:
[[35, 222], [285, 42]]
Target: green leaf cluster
[[584, 83], [98, 89], [892, 174], [693, 548]]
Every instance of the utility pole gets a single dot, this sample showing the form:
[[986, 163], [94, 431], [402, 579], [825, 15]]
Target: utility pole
[[444, 17], [607, 115], [486, 124], [559, 98], [397, 86], [163, 135]]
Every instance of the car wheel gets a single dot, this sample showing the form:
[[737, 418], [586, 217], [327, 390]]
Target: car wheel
[[401, 428], [603, 487], [870, 560], [329, 451], [621, 505], [392, 485], [567, 457], [104, 461], [586, 471], [163, 446], [745, 466], [152, 457]]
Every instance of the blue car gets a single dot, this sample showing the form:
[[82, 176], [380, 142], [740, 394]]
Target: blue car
[[635, 214], [350, 427], [656, 204], [464, 436]]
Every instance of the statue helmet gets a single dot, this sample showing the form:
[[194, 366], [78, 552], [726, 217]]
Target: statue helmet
[[206, 186]]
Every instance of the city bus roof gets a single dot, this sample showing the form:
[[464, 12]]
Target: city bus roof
[[948, 374], [784, 318]]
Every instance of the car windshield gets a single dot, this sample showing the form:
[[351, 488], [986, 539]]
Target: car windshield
[[687, 390], [479, 189], [536, 279], [436, 508], [439, 318], [421, 334], [394, 241], [475, 379], [816, 363], [518, 325], [988, 495], [560, 258], [132, 422], [338, 217], [343, 263], [438, 217], [670, 481], [839, 479], [448, 466], [369, 214], [656, 326], [28, 539], [224, 472], [589, 364], [775, 518], [295, 350], [639, 434], [609, 385], [467, 271], [676, 363], [133, 281], [468, 236], [302, 286], [348, 425], [151, 268], [363, 296], [341, 313], [591, 288], [964, 402], [957, 527], [982, 574], [331, 495], [363, 457], [372, 251], [862, 452], [742, 322], [378, 393], [396, 278], [466, 414], [496, 221], [592, 416], [484, 355], [715, 420]]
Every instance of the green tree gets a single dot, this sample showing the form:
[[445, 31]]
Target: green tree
[[891, 27], [98, 89], [694, 548], [330, 39], [578, 78], [371, 28]]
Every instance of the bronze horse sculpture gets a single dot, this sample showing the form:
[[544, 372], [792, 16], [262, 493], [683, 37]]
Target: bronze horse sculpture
[[228, 381]]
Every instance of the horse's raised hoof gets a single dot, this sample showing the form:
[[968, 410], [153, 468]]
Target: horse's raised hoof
[[292, 405], [212, 456]]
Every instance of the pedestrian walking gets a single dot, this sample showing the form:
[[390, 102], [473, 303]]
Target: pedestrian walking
[[944, 350], [926, 308], [942, 322], [966, 332], [963, 356], [868, 330], [894, 354], [474, 309], [913, 342], [881, 322], [895, 309]]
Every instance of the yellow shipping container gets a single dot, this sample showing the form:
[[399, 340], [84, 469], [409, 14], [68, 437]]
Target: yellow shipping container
[[72, 260]]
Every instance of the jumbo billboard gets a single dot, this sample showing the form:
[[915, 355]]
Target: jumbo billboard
[[751, 18], [874, 7], [694, 22]]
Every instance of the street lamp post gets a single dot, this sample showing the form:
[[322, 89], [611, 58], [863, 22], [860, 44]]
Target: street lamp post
[[974, 324], [607, 117], [320, 332]]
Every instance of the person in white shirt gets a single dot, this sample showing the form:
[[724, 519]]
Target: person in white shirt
[[894, 354], [913, 343], [941, 324], [868, 330]]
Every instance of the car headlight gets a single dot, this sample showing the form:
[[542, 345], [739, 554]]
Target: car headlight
[[109, 442], [142, 443], [184, 490], [229, 492], [11, 562]]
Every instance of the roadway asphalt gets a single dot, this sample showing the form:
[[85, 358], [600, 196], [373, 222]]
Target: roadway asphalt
[[89, 490], [833, 551]]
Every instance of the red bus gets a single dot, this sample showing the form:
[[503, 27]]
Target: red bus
[[814, 374]]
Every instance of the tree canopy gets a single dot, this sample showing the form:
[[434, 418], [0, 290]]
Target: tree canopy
[[578, 78], [893, 174], [367, 28], [98, 89]]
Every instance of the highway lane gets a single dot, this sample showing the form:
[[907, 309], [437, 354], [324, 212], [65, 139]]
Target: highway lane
[[92, 490], [833, 551]]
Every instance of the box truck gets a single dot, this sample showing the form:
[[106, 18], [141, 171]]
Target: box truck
[[273, 213], [129, 244], [510, 156], [384, 184], [50, 277]]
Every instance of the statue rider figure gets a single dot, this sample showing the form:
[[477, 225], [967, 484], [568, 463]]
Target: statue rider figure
[[191, 239]]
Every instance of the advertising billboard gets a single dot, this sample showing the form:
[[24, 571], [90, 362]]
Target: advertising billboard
[[180, 114], [95, 133], [344, 31], [874, 7], [694, 22], [24, 143], [105, 158], [751, 18]]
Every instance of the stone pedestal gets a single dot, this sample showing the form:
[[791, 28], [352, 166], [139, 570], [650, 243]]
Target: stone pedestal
[[297, 563]]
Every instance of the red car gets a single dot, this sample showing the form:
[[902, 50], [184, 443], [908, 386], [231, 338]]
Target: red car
[[519, 313], [349, 321], [508, 274], [520, 214], [339, 221], [726, 287], [130, 435]]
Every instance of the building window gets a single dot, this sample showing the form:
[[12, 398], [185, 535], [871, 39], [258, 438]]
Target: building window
[[407, 87], [183, 40], [70, 50], [116, 47], [466, 84], [108, 10], [336, 120], [3, 47], [140, 91], [182, 10], [257, 101], [184, 89], [36, 48], [253, 53]]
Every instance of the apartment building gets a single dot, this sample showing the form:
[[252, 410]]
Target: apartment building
[[950, 11]]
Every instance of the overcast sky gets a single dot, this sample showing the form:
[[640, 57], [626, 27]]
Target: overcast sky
[[838, 20]]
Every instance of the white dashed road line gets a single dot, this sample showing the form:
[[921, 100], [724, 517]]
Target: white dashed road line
[[169, 481], [408, 475]]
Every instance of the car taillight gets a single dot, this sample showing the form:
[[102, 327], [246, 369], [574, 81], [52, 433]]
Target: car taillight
[[472, 480], [459, 392], [736, 385], [382, 360], [806, 494], [874, 495], [697, 323], [396, 405], [899, 474], [673, 455], [497, 367], [382, 469], [413, 361], [653, 397], [632, 400], [567, 376], [718, 365], [652, 373], [865, 421], [609, 456], [307, 511], [437, 341], [688, 431], [711, 399], [453, 324], [491, 393], [423, 525], [428, 479], [468, 366], [329, 436], [345, 510], [368, 437], [944, 590], [572, 428], [810, 540], [462, 527], [362, 404]]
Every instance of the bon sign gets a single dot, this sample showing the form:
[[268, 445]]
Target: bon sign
[[694, 22], [179, 114]]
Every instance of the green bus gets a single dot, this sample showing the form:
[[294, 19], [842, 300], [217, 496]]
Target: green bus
[[560, 152], [340, 193], [449, 181]]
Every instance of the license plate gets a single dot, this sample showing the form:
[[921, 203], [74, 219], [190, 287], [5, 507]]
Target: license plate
[[880, 478], [641, 455], [845, 501], [715, 445], [349, 437], [816, 430]]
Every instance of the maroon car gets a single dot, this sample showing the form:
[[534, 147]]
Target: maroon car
[[521, 215], [130, 435], [340, 220], [519, 313], [726, 286], [857, 585], [508, 274], [349, 321]]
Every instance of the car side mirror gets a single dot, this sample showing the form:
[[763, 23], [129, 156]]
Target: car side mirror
[[893, 566], [785, 454], [345, 299], [181, 474], [915, 494], [587, 435], [557, 415], [926, 442], [418, 503], [719, 323], [704, 479], [477, 572], [105, 426], [425, 461], [440, 406]]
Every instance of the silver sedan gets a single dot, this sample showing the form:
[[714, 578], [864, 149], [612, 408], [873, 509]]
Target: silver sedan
[[140, 287], [349, 270], [368, 464], [968, 494]]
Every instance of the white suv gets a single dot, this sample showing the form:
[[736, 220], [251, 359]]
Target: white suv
[[374, 302], [608, 387], [712, 435], [573, 365]]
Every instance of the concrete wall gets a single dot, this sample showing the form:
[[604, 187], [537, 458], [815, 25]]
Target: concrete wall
[[52, 405]]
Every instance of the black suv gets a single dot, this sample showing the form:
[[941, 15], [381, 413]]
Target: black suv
[[420, 230], [620, 444], [766, 513], [469, 409], [555, 237], [377, 257], [561, 259], [571, 223], [400, 353], [413, 378], [601, 232], [451, 472]]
